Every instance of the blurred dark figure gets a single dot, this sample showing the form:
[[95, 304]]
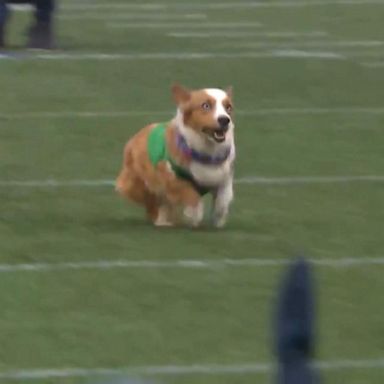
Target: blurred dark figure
[[295, 327], [40, 34]]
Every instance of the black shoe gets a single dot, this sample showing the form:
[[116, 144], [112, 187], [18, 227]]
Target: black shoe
[[40, 36]]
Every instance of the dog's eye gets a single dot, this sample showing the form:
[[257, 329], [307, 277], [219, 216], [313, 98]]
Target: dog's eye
[[229, 108], [206, 106]]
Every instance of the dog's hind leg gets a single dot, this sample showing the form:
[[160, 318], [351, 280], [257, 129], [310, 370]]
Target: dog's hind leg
[[129, 186], [134, 189]]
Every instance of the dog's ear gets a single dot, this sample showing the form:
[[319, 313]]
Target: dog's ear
[[229, 91], [180, 94]]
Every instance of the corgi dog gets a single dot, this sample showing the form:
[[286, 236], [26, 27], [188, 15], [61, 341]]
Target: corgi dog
[[168, 167]]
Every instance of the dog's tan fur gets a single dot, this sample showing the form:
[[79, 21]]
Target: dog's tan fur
[[157, 188]]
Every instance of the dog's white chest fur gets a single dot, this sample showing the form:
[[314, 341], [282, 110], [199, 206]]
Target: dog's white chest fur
[[212, 175]]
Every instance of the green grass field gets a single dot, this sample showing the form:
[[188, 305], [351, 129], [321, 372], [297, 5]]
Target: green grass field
[[309, 95]]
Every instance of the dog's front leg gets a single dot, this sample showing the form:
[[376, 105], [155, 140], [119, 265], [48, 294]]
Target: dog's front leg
[[222, 200], [181, 192]]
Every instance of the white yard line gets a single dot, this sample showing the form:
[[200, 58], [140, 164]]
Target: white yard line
[[206, 25], [297, 53], [248, 112], [272, 53], [244, 34], [51, 183], [160, 56], [150, 7], [310, 44], [218, 6], [256, 180], [21, 7], [342, 52], [341, 263], [81, 114], [373, 64], [313, 111], [309, 180], [184, 370], [133, 16]]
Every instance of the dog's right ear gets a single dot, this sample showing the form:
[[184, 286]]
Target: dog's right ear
[[180, 94]]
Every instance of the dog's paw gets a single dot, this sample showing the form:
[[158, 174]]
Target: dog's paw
[[194, 215], [163, 223], [219, 219], [163, 218]]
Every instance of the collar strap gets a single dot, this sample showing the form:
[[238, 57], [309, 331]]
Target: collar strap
[[201, 157]]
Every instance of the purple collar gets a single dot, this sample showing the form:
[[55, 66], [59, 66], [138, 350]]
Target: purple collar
[[200, 157]]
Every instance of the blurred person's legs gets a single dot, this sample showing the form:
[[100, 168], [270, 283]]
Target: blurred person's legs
[[41, 32], [3, 20]]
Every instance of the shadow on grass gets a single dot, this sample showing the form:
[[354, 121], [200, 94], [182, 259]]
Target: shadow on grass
[[140, 224]]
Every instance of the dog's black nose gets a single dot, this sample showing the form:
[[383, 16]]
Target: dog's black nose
[[223, 121]]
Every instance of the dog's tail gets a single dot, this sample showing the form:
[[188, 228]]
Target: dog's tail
[[119, 184], [123, 181]]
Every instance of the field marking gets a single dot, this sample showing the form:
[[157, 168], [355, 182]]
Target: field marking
[[277, 54], [366, 52], [82, 114], [314, 44], [374, 64], [247, 112], [75, 56], [21, 7], [236, 35], [342, 263], [218, 6], [186, 370], [300, 53], [206, 25], [132, 16], [256, 180], [309, 180], [51, 183]]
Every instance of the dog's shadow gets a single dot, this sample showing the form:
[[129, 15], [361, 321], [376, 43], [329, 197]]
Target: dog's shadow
[[119, 224], [138, 225]]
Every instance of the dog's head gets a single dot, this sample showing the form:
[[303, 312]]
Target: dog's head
[[206, 113]]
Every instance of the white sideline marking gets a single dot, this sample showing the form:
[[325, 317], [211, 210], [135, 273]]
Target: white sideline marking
[[82, 114], [218, 6], [51, 183], [297, 53], [309, 180], [21, 7], [313, 44], [206, 25], [313, 111], [174, 370], [374, 64], [236, 35], [172, 56], [249, 112], [349, 262], [132, 16]]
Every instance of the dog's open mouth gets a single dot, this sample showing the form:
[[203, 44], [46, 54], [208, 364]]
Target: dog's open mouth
[[216, 134]]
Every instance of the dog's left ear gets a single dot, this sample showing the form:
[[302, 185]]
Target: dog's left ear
[[229, 91], [180, 94]]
